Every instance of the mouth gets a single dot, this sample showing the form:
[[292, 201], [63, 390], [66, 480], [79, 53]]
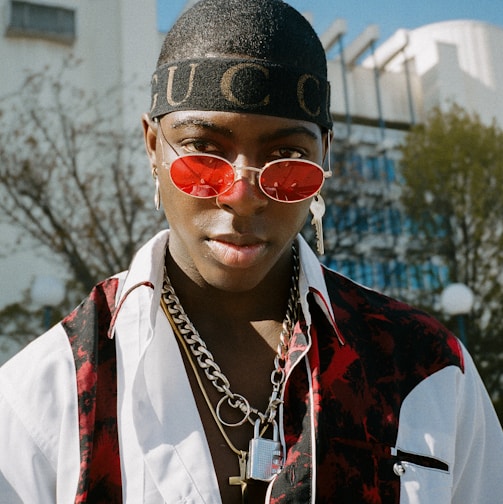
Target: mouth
[[237, 251]]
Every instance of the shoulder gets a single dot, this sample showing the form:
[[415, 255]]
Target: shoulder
[[389, 328], [95, 311], [38, 398], [41, 381], [48, 362]]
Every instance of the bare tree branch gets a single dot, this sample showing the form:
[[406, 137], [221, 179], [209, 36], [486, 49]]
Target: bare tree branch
[[70, 176]]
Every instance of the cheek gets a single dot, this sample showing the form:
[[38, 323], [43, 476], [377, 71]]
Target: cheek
[[173, 201], [300, 217], [169, 193], [292, 216], [185, 215], [165, 180]]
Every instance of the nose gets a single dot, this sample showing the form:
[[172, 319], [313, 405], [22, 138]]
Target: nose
[[244, 197]]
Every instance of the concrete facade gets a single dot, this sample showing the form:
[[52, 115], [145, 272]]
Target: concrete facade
[[116, 40], [453, 61], [117, 44]]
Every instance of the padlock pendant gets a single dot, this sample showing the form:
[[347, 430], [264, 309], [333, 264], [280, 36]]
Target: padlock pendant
[[265, 458]]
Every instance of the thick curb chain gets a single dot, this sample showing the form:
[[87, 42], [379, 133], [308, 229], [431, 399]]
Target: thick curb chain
[[206, 361]]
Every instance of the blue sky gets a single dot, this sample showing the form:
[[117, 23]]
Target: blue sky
[[389, 15]]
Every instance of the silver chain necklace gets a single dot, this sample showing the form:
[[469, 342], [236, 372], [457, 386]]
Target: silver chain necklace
[[212, 370]]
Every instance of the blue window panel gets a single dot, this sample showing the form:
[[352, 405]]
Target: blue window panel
[[366, 273], [389, 167], [377, 221], [410, 226], [395, 221], [436, 275], [328, 218], [443, 275], [348, 268], [401, 275], [416, 276], [361, 224], [357, 163], [338, 216], [338, 164], [383, 275], [372, 168], [344, 218]]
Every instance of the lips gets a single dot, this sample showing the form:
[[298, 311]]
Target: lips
[[237, 251], [240, 240]]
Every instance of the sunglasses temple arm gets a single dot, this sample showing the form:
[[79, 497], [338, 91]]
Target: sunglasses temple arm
[[328, 173], [163, 138]]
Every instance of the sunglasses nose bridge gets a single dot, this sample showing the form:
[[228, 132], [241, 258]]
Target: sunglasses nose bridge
[[248, 172]]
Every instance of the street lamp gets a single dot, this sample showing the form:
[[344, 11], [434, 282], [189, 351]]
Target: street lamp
[[457, 300], [47, 292]]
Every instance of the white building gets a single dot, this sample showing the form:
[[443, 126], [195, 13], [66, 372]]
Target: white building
[[379, 89], [117, 40], [416, 70], [118, 44]]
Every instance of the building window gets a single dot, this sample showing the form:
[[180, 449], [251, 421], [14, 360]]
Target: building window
[[41, 21], [395, 221], [389, 166], [366, 273], [372, 168]]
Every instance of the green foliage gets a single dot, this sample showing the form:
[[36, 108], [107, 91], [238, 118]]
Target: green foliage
[[453, 184]]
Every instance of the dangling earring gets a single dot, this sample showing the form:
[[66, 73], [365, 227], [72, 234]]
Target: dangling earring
[[317, 208], [157, 190], [157, 195]]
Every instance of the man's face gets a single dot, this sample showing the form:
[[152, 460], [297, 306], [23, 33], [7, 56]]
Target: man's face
[[233, 241]]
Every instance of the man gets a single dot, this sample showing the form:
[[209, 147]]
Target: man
[[227, 365]]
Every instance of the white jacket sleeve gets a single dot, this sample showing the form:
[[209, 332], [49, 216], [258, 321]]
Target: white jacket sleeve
[[449, 418], [39, 455], [478, 462]]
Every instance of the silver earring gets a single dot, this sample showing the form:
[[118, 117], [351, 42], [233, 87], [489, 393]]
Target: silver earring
[[317, 208], [157, 191]]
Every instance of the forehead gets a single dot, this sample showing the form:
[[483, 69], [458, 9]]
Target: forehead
[[232, 124]]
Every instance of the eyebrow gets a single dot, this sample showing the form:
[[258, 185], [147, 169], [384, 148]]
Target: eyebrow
[[285, 132], [201, 123], [274, 135]]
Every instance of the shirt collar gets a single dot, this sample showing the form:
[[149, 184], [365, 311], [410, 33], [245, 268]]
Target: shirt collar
[[312, 280], [147, 269]]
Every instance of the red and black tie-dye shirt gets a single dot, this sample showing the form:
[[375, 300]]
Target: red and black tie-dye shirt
[[95, 363], [350, 392], [359, 386]]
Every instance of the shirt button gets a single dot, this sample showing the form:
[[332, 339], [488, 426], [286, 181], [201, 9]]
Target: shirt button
[[398, 468]]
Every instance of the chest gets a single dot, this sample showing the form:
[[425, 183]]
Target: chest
[[247, 373]]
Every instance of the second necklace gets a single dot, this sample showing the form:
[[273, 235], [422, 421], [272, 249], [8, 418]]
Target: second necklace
[[207, 363]]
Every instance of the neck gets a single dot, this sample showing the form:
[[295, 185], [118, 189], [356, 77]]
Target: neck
[[266, 301], [247, 365], [186, 330]]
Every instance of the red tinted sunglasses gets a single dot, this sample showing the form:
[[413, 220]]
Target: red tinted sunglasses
[[207, 176]]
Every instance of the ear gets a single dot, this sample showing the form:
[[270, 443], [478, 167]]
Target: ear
[[150, 138]]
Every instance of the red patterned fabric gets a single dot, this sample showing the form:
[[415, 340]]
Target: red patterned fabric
[[348, 397], [358, 390], [95, 364]]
